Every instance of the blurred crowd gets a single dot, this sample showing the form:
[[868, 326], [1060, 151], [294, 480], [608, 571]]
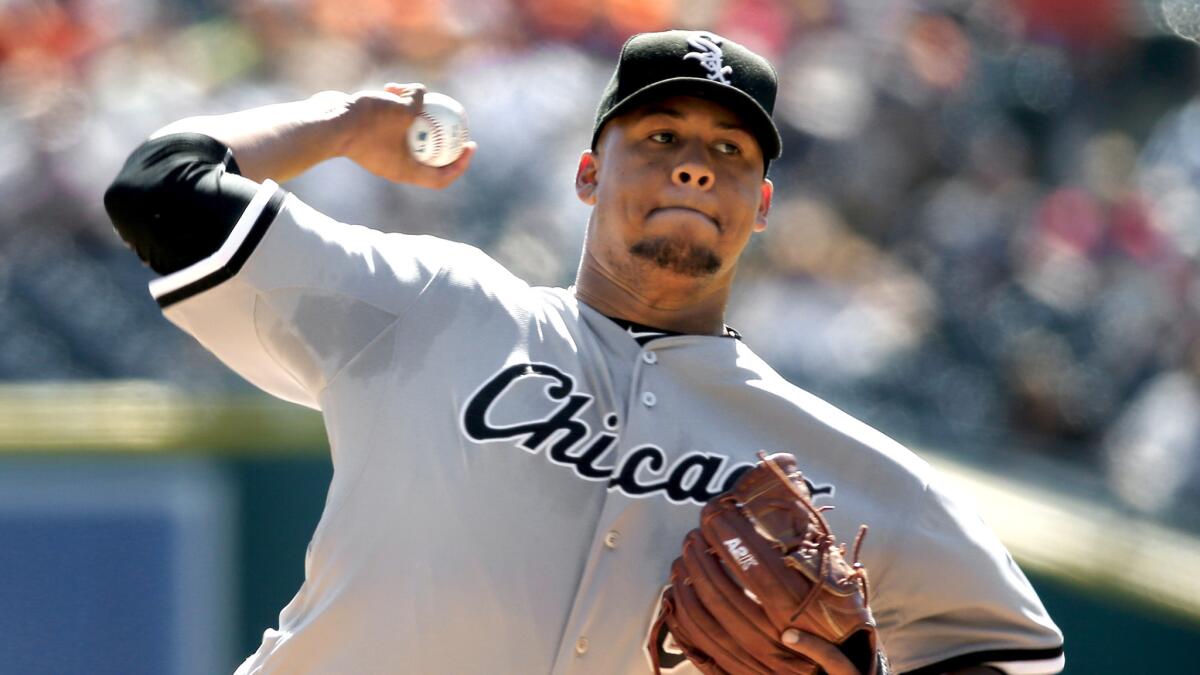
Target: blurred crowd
[[984, 236]]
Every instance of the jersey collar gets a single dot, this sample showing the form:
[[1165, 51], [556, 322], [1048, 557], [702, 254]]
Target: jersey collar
[[643, 334]]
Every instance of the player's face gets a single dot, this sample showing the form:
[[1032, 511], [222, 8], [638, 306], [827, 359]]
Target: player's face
[[678, 189]]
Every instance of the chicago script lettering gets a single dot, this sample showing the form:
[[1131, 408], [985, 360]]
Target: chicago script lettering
[[563, 421], [569, 441]]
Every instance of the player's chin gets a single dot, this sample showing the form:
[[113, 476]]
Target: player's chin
[[681, 255]]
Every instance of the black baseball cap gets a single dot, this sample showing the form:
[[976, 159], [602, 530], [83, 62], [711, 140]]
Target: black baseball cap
[[694, 63]]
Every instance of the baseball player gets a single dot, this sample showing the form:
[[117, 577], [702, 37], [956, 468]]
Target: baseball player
[[515, 467]]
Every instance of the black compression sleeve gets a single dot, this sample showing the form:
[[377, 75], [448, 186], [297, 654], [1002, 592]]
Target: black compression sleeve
[[176, 199]]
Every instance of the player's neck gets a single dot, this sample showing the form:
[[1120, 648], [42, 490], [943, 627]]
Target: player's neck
[[668, 301]]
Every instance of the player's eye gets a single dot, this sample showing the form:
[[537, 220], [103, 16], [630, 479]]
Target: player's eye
[[663, 137], [727, 148]]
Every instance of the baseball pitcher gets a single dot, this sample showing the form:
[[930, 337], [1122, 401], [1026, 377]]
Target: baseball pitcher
[[565, 480]]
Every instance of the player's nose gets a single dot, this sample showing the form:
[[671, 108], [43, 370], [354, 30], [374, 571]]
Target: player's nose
[[693, 175]]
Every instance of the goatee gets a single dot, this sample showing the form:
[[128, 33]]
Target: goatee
[[678, 256]]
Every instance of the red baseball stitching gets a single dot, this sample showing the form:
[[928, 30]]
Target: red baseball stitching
[[435, 132]]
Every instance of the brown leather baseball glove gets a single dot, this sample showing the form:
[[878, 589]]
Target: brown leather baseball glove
[[762, 587]]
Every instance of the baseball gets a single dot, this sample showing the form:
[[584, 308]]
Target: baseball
[[437, 135]]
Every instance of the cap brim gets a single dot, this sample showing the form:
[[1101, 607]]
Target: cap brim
[[758, 120]]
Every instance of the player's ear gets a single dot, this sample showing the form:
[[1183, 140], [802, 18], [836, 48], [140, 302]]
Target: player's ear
[[764, 204], [585, 178]]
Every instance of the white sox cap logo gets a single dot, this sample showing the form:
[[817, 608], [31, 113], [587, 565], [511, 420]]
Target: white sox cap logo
[[709, 55]]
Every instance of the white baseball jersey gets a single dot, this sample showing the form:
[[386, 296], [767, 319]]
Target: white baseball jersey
[[514, 472]]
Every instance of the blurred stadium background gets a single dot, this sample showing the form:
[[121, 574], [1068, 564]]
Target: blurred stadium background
[[985, 243]]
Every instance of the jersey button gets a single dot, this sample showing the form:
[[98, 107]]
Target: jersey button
[[650, 357], [610, 539], [581, 646], [649, 399]]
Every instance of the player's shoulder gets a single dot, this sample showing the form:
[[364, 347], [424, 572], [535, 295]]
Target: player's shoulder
[[557, 301], [463, 264], [366, 241], [836, 426], [557, 312]]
